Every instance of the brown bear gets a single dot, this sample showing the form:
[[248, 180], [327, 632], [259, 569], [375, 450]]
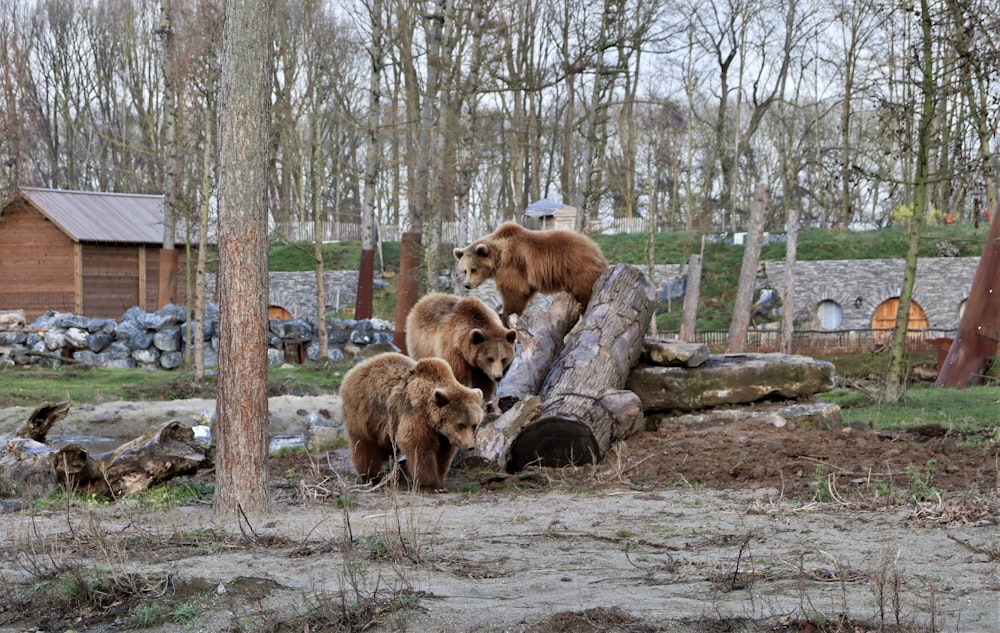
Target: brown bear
[[524, 261], [467, 334], [394, 405]]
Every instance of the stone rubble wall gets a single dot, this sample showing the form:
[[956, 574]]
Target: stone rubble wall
[[158, 340]]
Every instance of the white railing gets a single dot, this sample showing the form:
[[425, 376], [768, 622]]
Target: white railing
[[451, 233]]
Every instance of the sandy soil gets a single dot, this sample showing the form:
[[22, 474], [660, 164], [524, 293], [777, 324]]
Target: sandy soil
[[740, 527]]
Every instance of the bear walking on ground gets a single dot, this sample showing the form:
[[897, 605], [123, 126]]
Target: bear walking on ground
[[524, 261], [467, 334], [392, 404]]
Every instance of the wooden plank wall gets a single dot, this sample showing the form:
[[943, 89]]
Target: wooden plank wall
[[37, 263]]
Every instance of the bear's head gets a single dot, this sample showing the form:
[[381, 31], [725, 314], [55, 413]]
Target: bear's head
[[460, 412], [455, 410], [478, 263], [492, 355]]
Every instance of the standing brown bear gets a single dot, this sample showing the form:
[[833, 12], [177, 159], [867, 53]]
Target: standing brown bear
[[467, 334], [524, 261], [393, 404]]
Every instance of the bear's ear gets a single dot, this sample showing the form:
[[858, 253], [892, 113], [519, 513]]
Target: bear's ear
[[441, 398], [477, 336], [482, 250], [479, 392], [459, 252], [511, 336]]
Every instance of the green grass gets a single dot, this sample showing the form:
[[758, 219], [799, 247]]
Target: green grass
[[31, 386], [954, 409]]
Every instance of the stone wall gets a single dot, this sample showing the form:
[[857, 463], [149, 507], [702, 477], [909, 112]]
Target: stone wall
[[858, 286]]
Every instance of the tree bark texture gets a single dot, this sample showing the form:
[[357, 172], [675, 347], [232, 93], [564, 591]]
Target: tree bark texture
[[584, 407], [242, 423], [42, 419], [736, 342], [540, 334], [979, 329], [407, 285], [692, 293]]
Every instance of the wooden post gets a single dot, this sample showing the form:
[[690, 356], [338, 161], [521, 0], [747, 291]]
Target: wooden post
[[584, 406]]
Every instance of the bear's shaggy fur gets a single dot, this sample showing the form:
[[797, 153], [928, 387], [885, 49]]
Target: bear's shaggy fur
[[467, 334], [524, 261], [393, 404]]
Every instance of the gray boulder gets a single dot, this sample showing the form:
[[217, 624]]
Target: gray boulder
[[729, 379]]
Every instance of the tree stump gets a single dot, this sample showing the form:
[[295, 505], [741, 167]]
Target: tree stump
[[42, 419], [540, 334], [584, 406]]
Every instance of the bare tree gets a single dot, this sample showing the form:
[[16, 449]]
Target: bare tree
[[242, 425], [173, 145], [363, 306], [895, 383]]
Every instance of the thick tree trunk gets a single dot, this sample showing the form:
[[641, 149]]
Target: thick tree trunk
[[584, 407], [736, 341], [979, 329], [540, 334], [408, 284], [241, 427]]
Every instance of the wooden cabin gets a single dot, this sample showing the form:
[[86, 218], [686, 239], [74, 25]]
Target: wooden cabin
[[87, 253]]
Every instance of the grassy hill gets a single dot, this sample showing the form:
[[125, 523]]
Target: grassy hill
[[722, 261]]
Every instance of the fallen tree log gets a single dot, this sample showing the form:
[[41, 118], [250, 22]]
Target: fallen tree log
[[584, 408], [540, 333], [30, 468]]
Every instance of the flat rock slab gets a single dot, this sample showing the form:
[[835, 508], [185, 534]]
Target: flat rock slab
[[792, 414], [673, 353], [729, 379]]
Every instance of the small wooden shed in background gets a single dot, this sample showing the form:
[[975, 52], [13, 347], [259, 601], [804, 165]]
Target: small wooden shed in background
[[92, 254], [552, 215]]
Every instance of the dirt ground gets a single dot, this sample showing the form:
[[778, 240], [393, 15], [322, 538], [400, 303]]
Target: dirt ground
[[737, 527]]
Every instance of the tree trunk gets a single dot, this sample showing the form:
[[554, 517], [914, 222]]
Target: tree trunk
[[408, 285], [736, 342], [979, 330], [895, 382], [540, 334], [788, 297], [174, 172], [584, 407], [366, 274], [197, 332], [692, 292], [241, 427]]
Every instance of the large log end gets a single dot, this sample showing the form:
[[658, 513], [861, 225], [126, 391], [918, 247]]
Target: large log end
[[554, 441]]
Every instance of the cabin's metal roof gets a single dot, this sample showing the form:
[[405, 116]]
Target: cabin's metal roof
[[543, 208], [87, 216]]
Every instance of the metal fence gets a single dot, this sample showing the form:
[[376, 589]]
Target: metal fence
[[827, 342]]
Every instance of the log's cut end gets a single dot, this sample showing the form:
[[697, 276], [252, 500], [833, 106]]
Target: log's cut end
[[554, 442]]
